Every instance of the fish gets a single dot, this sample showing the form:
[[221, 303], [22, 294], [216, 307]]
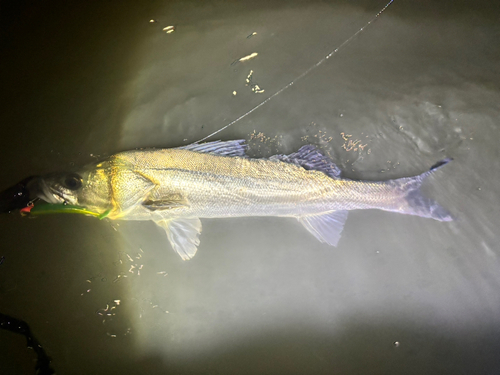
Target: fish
[[176, 187]]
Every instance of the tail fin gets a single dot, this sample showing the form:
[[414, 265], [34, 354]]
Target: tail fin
[[436, 166], [418, 204]]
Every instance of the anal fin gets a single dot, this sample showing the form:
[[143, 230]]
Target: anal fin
[[325, 227], [183, 235]]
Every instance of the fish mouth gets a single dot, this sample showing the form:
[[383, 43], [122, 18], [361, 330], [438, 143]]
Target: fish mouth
[[49, 194], [55, 202]]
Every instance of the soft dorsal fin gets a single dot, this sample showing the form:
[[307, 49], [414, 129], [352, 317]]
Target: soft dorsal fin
[[183, 235], [310, 157], [225, 148], [325, 227]]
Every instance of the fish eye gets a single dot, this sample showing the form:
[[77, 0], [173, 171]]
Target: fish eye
[[72, 182]]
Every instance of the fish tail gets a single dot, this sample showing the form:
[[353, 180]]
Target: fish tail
[[418, 204]]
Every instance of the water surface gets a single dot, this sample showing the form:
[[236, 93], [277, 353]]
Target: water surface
[[400, 294]]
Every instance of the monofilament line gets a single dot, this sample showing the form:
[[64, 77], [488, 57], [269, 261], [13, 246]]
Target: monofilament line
[[347, 41]]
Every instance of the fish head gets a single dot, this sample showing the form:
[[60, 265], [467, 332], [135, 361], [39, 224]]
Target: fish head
[[90, 188]]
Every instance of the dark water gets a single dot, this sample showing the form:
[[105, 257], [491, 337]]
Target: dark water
[[399, 295]]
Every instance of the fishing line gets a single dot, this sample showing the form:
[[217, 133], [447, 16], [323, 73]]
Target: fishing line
[[347, 41]]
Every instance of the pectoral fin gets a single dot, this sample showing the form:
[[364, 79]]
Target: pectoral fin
[[169, 202], [325, 227], [183, 235]]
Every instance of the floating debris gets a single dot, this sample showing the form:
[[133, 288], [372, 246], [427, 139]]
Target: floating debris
[[135, 267], [169, 29], [153, 21], [245, 58], [350, 145], [234, 93], [345, 136], [118, 277], [248, 57], [249, 77], [255, 87], [252, 34], [108, 311], [263, 144]]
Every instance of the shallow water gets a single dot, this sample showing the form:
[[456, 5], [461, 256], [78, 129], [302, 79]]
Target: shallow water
[[400, 294]]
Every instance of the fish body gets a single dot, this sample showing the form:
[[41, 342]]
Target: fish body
[[178, 186]]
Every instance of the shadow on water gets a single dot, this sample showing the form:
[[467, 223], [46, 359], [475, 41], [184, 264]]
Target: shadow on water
[[357, 348], [309, 334], [22, 328]]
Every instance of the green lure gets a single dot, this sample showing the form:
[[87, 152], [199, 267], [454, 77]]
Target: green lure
[[42, 209]]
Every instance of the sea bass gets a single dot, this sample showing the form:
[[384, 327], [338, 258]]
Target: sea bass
[[176, 187]]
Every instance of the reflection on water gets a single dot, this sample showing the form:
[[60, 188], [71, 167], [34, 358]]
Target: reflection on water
[[399, 294]]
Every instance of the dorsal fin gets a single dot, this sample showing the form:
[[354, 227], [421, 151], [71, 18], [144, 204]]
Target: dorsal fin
[[310, 157], [225, 148]]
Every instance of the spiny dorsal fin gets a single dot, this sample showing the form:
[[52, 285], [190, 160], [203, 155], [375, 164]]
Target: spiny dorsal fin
[[225, 148], [310, 157]]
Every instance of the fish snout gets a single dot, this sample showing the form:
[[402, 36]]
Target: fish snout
[[46, 191]]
